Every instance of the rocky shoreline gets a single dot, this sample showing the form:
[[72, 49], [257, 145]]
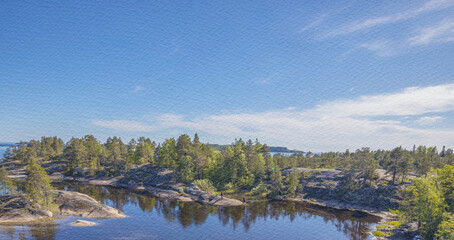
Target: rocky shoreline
[[16, 209], [178, 192], [321, 187]]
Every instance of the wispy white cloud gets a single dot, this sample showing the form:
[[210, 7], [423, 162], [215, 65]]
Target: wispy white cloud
[[266, 81], [138, 88], [125, 125], [428, 120], [334, 125], [314, 23], [383, 48], [429, 6], [438, 33]]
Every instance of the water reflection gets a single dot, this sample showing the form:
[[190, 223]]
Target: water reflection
[[166, 219], [45, 230], [353, 224]]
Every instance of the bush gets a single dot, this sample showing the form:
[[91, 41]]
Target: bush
[[446, 228], [393, 223], [260, 189], [246, 181], [381, 234], [394, 211], [205, 185], [229, 186]]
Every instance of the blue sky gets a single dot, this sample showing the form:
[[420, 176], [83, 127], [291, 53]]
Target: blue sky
[[310, 75]]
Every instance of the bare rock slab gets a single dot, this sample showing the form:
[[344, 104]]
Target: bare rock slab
[[83, 223], [81, 205]]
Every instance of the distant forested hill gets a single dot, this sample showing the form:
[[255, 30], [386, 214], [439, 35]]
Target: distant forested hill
[[272, 149], [6, 144]]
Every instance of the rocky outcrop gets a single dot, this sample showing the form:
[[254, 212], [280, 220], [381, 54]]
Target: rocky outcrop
[[149, 175], [83, 223], [161, 183], [206, 198], [333, 187], [17, 209], [81, 205]]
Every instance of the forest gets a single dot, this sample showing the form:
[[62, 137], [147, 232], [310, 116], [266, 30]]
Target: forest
[[248, 165]]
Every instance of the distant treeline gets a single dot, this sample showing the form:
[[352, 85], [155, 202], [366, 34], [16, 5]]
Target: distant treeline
[[6, 144], [221, 147]]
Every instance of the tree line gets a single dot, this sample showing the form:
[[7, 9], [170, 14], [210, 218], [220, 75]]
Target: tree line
[[242, 164]]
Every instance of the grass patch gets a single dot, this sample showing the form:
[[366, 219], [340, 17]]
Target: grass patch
[[394, 211], [394, 223], [381, 234]]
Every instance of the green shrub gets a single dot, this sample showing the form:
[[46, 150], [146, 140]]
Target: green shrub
[[205, 185], [446, 228], [394, 223], [260, 189], [229, 186], [381, 234], [394, 211]]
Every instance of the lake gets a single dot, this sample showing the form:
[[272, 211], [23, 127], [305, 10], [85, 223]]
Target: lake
[[2, 151], [153, 218]]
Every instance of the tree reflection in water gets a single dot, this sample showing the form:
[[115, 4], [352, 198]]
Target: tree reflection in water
[[45, 230], [355, 225]]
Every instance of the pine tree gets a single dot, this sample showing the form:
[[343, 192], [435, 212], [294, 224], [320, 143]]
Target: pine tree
[[6, 183], [144, 152], [393, 162], [93, 151], [37, 185], [293, 183], [76, 153], [168, 154], [187, 169], [276, 179]]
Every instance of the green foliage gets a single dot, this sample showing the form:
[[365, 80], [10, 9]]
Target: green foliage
[[446, 179], [260, 189], [445, 228], [365, 165], [142, 152], [229, 186], [277, 182], [381, 234], [246, 181], [394, 223], [293, 183], [187, 169], [205, 185], [398, 163], [429, 201], [37, 185], [6, 184], [394, 211], [168, 154]]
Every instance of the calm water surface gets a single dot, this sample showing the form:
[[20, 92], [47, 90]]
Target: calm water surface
[[2, 151], [154, 218]]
